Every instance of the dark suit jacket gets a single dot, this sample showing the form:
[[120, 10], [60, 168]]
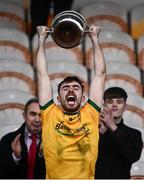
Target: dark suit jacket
[[8, 168]]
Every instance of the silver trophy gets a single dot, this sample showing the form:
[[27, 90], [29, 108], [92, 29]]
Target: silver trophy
[[68, 29]]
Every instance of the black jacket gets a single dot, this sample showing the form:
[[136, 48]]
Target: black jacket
[[8, 168], [118, 150]]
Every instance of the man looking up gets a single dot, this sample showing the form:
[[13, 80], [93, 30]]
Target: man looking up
[[70, 132]]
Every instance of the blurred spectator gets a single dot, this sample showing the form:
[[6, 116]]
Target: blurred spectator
[[41, 11], [119, 145], [16, 162]]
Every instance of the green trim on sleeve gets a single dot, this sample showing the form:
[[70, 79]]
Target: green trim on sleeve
[[46, 105], [94, 105]]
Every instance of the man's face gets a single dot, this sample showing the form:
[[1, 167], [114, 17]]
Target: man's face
[[117, 106], [32, 118], [70, 96]]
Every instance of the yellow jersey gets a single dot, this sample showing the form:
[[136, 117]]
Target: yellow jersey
[[70, 141]]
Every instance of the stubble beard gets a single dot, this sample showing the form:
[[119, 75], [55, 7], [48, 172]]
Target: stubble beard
[[68, 108]]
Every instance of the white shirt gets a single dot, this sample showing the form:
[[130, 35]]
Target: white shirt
[[28, 141]]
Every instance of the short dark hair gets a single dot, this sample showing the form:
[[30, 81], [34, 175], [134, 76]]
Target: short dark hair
[[69, 79], [115, 92], [29, 102]]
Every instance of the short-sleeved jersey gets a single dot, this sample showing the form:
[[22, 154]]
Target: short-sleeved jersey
[[70, 141]]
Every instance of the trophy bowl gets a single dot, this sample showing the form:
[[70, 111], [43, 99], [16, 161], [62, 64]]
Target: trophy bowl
[[68, 29]]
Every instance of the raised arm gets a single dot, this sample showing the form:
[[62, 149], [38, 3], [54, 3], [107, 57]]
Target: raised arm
[[98, 82], [43, 80]]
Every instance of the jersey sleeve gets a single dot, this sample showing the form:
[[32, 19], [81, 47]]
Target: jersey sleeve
[[92, 109], [46, 110]]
